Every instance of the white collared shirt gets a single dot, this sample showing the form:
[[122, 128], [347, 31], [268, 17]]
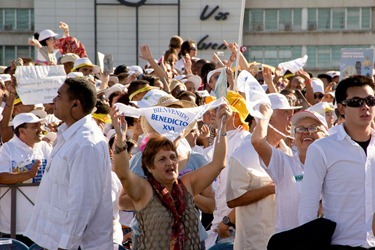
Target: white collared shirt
[[12, 153], [74, 206], [337, 167], [255, 223]]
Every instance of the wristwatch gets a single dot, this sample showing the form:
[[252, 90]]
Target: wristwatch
[[227, 222]]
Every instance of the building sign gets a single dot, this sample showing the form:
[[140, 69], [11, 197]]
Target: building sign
[[132, 3], [204, 43]]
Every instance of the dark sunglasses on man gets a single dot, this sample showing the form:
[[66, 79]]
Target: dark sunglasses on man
[[357, 102], [318, 96]]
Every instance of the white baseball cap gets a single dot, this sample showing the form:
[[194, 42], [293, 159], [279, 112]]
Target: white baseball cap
[[150, 99], [321, 108], [115, 87], [213, 72], [196, 80], [279, 101], [311, 114], [134, 69], [5, 77], [25, 118], [317, 85]]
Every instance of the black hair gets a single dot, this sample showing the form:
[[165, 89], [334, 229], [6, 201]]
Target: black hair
[[84, 91], [204, 72], [186, 47], [102, 107], [135, 85], [17, 130], [150, 78], [352, 81], [121, 69]]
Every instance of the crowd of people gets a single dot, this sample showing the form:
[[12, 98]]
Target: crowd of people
[[229, 180]]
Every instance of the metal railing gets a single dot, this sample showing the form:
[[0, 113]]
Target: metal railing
[[14, 189]]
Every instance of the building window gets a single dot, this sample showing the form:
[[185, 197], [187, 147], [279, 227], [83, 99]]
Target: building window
[[272, 19], [273, 55], [10, 53], [319, 57], [339, 18], [16, 19], [326, 57]]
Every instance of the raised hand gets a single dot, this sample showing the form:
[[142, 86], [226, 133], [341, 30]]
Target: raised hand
[[64, 27], [34, 169], [146, 53], [120, 126], [266, 111]]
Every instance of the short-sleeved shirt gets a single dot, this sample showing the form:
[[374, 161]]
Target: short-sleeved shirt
[[16, 156]]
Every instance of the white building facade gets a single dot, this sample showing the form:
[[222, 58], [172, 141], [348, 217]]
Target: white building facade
[[273, 31]]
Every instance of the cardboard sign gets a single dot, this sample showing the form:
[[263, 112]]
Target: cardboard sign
[[105, 63], [356, 62], [169, 122], [39, 84]]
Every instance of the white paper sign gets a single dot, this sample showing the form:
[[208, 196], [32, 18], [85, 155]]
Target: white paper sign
[[169, 122], [39, 84], [294, 65], [101, 61]]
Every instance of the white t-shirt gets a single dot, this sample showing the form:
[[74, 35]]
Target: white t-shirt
[[16, 156]]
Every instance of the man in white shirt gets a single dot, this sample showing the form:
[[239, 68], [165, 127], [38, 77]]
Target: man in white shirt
[[250, 189], [74, 208], [23, 158], [341, 169]]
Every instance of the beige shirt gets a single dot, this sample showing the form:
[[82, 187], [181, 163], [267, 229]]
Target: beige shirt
[[255, 222]]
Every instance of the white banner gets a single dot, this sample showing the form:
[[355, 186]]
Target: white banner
[[39, 84], [169, 122], [254, 92], [294, 65]]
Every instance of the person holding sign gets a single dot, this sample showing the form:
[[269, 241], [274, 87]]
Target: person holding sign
[[164, 202]]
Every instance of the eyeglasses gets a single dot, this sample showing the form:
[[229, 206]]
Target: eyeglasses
[[357, 102], [301, 129], [320, 96]]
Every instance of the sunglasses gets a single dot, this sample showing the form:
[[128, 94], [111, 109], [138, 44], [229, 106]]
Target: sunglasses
[[357, 102], [320, 96], [193, 48], [301, 129]]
